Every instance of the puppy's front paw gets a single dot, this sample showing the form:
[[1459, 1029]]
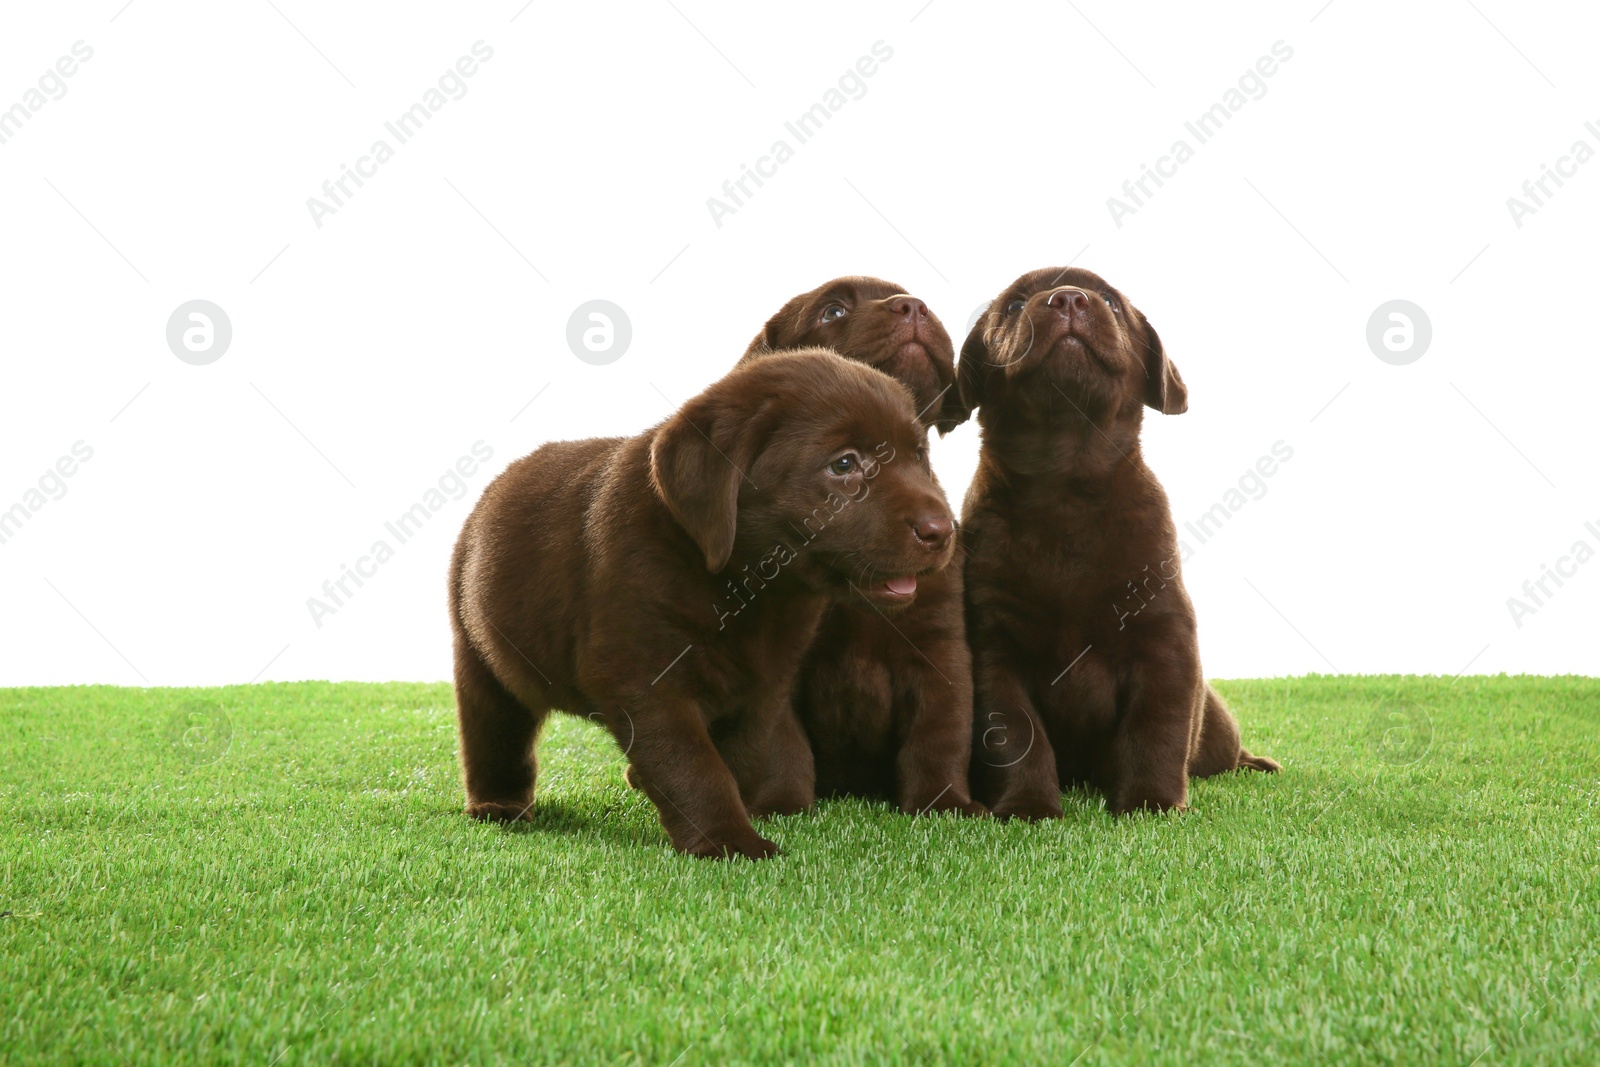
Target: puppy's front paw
[[501, 810], [1247, 762], [750, 846], [1129, 805], [1028, 809], [943, 803]]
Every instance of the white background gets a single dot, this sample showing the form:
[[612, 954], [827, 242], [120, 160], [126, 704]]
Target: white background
[[369, 354]]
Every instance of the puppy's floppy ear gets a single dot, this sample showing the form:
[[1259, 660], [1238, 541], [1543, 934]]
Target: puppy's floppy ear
[[760, 344], [777, 334], [953, 411], [1163, 387], [973, 370], [693, 470]]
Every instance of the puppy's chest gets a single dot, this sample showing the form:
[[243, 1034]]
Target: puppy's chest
[[1070, 560], [1069, 584]]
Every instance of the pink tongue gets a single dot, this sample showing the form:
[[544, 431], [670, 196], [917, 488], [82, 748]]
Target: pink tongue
[[902, 586]]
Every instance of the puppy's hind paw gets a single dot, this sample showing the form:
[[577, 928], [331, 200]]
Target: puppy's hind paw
[[767, 809], [790, 799]]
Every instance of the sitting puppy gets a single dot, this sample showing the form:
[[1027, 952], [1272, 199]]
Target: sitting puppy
[[667, 585], [1086, 664], [884, 696]]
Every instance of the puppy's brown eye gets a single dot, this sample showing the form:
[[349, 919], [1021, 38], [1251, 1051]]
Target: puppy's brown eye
[[1110, 303], [833, 312], [846, 464], [1015, 306]]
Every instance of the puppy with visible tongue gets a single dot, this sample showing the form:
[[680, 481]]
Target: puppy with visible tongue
[[906, 586], [884, 699]]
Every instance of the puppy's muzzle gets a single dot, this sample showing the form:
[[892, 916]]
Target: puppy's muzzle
[[932, 530], [1068, 298]]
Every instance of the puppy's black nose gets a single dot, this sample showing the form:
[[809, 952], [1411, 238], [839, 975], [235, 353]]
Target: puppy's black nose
[[932, 530], [908, 307], [1069, 299]]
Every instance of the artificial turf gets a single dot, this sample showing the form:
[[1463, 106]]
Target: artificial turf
[[282, 874]]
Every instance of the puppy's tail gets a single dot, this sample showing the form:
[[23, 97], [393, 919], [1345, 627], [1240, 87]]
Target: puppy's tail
[[1220, 749]]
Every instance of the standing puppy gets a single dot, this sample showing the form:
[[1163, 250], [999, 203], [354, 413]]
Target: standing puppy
[[667, 585], [1086, 664], [884, 696]]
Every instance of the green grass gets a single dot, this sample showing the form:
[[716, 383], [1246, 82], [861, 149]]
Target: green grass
[[281, 873]]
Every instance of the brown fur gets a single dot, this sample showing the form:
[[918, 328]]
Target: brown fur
[[667, 585], [884, 702], [1086, 662]]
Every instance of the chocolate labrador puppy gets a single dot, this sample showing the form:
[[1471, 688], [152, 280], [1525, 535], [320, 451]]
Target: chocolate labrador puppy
[[884, 696], [1086, 664], [667, 585]]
